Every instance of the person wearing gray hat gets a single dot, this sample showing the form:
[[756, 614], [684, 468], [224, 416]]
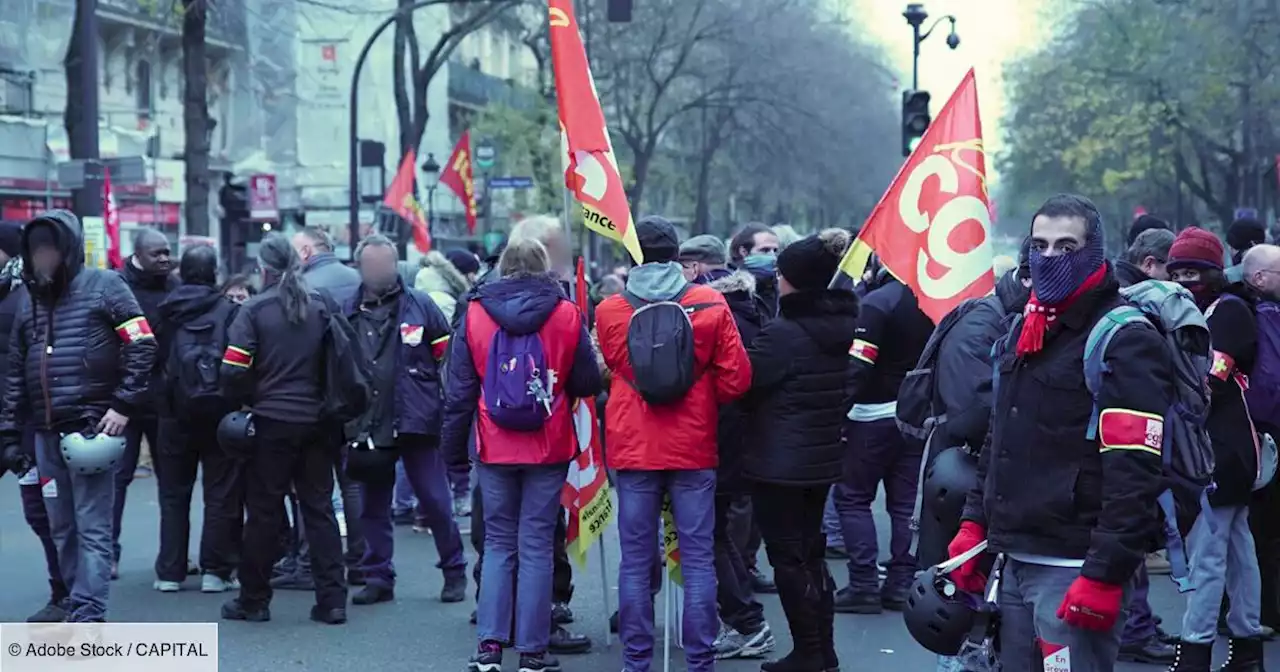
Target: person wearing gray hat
[[702, 254]]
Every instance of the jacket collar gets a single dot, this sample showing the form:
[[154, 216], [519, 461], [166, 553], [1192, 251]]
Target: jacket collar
[[1080, 314]]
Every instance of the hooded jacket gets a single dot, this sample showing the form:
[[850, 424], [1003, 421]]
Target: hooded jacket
[[185, 305], [964, 364], [1234, 333], [751, 316], [442, 282], [150, 289], [520, 306], [892, 332], [326, 274], [795, 409], [80, 346], [679, 436]]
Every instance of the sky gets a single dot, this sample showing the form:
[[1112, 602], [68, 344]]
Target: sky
[[992, 33]]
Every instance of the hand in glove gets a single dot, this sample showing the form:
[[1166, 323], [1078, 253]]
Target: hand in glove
[[1091, 605], [16, 460], [968, 577]]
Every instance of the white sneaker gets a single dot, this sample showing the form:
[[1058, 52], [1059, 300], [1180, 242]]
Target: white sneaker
[[212, 583], [342, 523], [167, 586]]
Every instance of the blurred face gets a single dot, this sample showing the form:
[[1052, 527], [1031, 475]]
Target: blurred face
[[155, 256], [694, 269], [1267, 280], [302, 245], [378, 268], [558, 251], [1187, 275], [1154, 268], [1054, 236], [46, 260], [238, 293], [764, 243]]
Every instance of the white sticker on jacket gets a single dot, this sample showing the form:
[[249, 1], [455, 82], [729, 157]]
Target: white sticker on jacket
[[32, 477], [48, 488], [1057, 658], [411, 334]]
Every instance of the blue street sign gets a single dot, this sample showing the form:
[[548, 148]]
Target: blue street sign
[[510, 183], [1246, 213]]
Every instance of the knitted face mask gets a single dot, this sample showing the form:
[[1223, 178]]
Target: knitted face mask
[[1056, 278]]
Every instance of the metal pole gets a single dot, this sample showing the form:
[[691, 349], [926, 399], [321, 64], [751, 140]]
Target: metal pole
[[915, 58], [431, 213], [88, 198], [604, 585]]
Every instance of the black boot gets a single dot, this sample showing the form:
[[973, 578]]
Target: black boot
[[826, 586], [1243, 655], [1192, 658], [801, 600]]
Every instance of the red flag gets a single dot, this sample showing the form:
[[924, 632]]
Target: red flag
[[591, 171], [401, 200], [459, 177], [932, 228], [111, 221]]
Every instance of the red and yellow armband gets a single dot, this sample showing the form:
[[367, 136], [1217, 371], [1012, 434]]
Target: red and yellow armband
[[237, 357], [136, 329], [865, 351], [440, 346], [1123, 429]]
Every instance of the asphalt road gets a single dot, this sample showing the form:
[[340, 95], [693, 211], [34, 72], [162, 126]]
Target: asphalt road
[[416, 633]]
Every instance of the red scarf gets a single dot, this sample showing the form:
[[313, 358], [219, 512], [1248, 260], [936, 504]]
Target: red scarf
[[1037, 317]]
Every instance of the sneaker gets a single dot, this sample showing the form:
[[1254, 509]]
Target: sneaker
[[538, 662], [761, 583], [420, 526], [561, 613], [143, 472], [757, 643], [461, 506], [567, 643], [54, 612], [1157, 563], [212, 583], [850, 602], [455, 589], [167, 586], [487, 659], [193, 569], [335, 616], [728, 643]]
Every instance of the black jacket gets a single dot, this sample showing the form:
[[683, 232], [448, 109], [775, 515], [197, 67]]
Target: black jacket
[[78, 348], [1044, 488], [1234, 331], [273, 364], [751, 316], [15, 294], [796, 407], [1128, 274], [963, 374], [185, 304], [150, 290], [892, 332]]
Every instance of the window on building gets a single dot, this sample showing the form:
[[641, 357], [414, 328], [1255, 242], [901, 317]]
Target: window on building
[[142, 89]]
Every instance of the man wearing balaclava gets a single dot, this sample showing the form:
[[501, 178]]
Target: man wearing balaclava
[[1074, 517]]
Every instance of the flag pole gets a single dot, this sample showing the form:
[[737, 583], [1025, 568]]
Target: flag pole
[[604, 585], [666, 618]]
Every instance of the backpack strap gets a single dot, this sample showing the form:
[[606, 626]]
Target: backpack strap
[[1095, 350]]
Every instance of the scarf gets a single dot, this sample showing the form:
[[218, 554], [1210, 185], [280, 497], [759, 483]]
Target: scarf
[[1037, 316]]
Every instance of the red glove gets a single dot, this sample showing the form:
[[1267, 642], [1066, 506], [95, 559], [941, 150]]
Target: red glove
[[968, 577], [1091, 605]]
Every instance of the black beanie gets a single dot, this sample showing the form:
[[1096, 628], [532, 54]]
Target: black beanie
[[1145, 223], [809, 263], [11, 238], [1245, 233], [41, 233], [658, 239]]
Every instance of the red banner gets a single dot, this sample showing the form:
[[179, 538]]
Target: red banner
[[460, 179], [591, 171], [400, 199], [111, 221], [932, 228]]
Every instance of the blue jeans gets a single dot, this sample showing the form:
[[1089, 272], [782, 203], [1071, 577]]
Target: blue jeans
[[831, 521], [402, 499], [80, 520], [640, 495], [521, 503], [878, 453], [1222, 560]]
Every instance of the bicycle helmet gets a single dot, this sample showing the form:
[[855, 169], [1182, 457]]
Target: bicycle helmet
[[92, 453]]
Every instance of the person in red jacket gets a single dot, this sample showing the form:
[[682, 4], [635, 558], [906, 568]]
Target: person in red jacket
[[520, 358], [667, 447]]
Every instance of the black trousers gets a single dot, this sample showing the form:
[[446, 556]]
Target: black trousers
[[562, 571], [352, 504], [183, 448], [298, 455], [738, 606], [790, 520]]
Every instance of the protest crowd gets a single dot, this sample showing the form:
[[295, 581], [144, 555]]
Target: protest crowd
[[1043, 450]]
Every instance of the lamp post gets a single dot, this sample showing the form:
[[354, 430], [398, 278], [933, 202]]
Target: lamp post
[[916, 16], [431, 170]]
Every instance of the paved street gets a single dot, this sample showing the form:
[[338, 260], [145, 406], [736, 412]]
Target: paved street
[[416, 633]]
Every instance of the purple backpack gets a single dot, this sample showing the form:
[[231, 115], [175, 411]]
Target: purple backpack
[[517, 387], [1263, 394]]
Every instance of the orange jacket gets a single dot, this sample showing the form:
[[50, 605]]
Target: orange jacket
[[680, 436]]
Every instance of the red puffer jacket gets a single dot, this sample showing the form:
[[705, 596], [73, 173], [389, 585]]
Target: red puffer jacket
[[680, 436]]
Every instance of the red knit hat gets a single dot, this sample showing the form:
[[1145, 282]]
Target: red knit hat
[[1196, 248]]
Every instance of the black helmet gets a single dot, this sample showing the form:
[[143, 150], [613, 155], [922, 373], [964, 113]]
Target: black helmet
[[235, 434], [939, 615], [371, 465], [947, 482]]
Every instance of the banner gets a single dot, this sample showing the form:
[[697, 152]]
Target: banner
[[591, 171], [932, 228], [671, 542], [401, 200], [586, 490], [111, 220], [460, 179]]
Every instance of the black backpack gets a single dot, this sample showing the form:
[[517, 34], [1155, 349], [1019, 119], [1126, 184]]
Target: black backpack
[[660, 346], [919, 411], [195, 357], [345, 381]]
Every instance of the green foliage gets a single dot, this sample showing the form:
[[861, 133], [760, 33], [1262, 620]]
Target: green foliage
[[530, 146]]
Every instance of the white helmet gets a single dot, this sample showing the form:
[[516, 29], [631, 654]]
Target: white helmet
[[93, 454]]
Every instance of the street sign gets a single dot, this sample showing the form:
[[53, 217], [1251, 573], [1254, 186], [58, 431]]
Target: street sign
[[127, 170], [124, 170], [1246, 213], [262, 198], [510, 183], [94, 233], [486, 155]]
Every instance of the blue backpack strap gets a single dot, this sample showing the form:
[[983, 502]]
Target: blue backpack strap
[[1095, 350]]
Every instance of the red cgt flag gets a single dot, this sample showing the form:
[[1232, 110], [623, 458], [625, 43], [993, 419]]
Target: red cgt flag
[[459, 177], [111, 221], [400, 199], [932, 228], [591, 172]]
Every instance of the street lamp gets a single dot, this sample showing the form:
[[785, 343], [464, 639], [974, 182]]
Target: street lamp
[[916, 16], [431, 170]]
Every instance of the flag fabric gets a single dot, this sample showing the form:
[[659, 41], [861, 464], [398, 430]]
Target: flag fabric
[[591, 171], [586, 490], [932, 228], [671, 542], [400, 199], [111, 221], [460, 178]]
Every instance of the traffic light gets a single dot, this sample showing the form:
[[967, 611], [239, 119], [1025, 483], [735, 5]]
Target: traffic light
[[915, 119]]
